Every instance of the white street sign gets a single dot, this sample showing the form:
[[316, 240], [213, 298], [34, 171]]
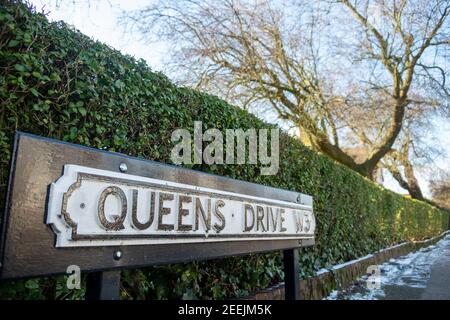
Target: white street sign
[[92, 207]]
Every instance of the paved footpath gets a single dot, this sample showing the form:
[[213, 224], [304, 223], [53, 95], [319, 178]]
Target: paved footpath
[[424, 274], [438, 286]]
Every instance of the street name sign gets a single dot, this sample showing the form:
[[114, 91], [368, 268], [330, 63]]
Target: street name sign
[[72, 205], [92, 207]]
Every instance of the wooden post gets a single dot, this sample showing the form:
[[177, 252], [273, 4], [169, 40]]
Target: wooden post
[[103, 285], [291, 277]]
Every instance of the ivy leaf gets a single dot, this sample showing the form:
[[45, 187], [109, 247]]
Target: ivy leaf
[[32, 284], [82, 110], [119, 84], [34, 92], [20, 68], [13, 43]]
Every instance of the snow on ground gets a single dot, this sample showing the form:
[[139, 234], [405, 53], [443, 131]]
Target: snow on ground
[[410, 271]]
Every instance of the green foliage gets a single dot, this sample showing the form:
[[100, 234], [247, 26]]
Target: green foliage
[[58, 83]]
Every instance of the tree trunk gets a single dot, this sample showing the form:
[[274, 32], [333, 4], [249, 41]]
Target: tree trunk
[[392, 134], [410, 184], [337, 154], [369, 166], [413, 185]]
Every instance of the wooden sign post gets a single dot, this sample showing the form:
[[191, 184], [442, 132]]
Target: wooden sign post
[[103, 211]]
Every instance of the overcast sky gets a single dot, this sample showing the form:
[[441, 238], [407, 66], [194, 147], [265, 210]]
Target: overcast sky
[[98, 19]]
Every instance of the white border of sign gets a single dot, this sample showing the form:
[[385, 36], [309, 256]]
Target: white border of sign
[[74, 203]]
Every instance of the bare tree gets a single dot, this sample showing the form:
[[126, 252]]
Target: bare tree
[[289, 56], [414, 148], [397, 159], [397, 34], [440, 189]]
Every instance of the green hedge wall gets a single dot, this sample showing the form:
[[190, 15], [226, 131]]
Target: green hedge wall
[[57, 82]]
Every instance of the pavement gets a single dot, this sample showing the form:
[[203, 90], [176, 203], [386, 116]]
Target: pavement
[[420, 275], [438, 286]]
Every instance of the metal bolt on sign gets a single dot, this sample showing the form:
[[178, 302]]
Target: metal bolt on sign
[[123, 167]]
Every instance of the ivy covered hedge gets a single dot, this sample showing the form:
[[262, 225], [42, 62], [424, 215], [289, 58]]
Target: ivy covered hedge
[[57, 82]]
